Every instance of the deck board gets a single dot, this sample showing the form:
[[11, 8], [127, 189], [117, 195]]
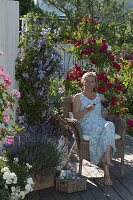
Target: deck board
[[59, 195], [122, 188], [87, 195], [46, 194]]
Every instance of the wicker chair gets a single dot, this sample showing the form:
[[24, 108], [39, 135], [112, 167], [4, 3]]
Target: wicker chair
[[83, 144]]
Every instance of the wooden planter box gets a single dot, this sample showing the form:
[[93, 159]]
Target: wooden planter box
[[70, 186], [42, 182]]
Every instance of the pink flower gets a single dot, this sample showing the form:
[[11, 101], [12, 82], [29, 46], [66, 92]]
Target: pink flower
[[130, 122], [104, 41], [69, 41], [102, 77], [78, 43], [116, 65], [16, 93], [109, 85], [9, 139], [101, 88], [111, 55], [94, 62], [103, 47], [119, 88], [89, 51], [83, 52], [89, 40], [113, 101], [6, 117], [77, 67]]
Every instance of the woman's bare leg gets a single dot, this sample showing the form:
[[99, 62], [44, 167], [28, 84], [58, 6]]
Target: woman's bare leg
[[107, 156], [106, 165], [107, 180]]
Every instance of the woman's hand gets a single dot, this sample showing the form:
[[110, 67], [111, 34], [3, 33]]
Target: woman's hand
[[90, 107]]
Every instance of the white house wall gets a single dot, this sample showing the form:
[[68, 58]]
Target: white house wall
[[9, 36]]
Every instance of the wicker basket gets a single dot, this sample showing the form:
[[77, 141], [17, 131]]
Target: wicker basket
[[70, 186]]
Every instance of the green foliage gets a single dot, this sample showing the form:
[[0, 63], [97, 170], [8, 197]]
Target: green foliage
[[4, 195], [27, 6], [2, 163], [116, 21]]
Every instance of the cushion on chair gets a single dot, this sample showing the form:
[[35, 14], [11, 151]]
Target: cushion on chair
[[86, 137], [117, 137]]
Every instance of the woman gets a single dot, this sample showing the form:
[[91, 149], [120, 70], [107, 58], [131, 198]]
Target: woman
[[87, 109]]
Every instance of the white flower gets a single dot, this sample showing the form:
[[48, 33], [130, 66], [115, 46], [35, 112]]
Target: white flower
[[9, 181], [22, 194], [15, 180], [29, 166], [6, 175], [16, 159], [109, 48], [6, 186], [13, 177], [13, 189], [30, 180], [17, 189], [10, 177], [5, 169], [28, 187]]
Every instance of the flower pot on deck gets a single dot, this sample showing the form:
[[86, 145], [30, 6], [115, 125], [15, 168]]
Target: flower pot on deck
[[43, 181]]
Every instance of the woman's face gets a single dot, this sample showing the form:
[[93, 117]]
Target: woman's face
[[89, 83]]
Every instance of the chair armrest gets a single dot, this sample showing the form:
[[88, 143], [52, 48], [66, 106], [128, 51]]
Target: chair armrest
[[75, 126], [120, 125]]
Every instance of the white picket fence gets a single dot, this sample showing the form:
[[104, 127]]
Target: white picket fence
[[9, 36]]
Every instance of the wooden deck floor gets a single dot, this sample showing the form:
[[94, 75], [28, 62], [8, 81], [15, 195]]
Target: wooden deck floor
[[122, 189]]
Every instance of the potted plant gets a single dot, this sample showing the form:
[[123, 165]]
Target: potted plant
[[38, 146]]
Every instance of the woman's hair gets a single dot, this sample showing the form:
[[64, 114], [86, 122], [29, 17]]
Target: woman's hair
[[87, 74]]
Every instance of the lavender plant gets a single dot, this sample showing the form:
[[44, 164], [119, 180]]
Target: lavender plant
[[36, 146]]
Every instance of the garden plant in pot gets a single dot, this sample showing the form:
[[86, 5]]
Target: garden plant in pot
[[38, 147]]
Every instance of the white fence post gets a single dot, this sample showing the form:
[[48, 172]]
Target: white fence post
[[9, 36]]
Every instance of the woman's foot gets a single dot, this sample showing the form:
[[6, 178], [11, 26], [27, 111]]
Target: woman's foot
[[107, 181]]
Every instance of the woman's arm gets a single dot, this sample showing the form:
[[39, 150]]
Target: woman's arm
[[102, 97], [76, 108]]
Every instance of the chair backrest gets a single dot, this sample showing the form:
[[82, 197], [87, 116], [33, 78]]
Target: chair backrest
[[67, 105]]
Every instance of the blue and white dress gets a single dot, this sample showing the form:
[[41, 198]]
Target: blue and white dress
[[101, 132]]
